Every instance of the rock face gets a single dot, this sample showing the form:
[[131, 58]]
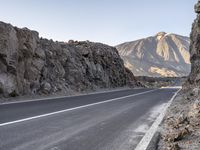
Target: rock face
[[194, 77], [30, 65], [162, 55], [181, 125]]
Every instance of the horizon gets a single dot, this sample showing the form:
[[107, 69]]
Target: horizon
[[99, 74], [106, 22], [91, 40]]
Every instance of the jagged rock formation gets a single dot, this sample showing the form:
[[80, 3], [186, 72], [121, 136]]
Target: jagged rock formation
[[194, 77], [181, 126], [162, 55], [31, 65]]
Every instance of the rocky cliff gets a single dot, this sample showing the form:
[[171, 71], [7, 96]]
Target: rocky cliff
[[32, 65], [162, 55], [194, 77], [181, 126]]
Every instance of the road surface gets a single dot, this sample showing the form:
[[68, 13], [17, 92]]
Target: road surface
[[104, 121]]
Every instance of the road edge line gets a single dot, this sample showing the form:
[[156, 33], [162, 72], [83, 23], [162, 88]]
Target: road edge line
[[146, 140], [74, 108]]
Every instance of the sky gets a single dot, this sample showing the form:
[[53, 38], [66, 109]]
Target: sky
[[108, 21]]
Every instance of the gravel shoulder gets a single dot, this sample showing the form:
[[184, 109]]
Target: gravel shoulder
[[180, 128]]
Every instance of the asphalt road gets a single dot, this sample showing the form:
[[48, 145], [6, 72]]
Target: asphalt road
[[102, 121]]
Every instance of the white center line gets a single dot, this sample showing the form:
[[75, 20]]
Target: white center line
[[70, 109]]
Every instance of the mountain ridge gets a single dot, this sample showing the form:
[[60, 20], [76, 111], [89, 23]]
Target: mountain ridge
[[164, 54]]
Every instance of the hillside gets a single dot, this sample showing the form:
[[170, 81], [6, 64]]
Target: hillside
[[162, 55], [32, 65]]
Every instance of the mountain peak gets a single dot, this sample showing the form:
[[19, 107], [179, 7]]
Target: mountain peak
[[164, 54], [160, 35]]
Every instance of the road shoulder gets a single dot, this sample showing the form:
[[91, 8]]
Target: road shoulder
[[180, 128], [150, 140]]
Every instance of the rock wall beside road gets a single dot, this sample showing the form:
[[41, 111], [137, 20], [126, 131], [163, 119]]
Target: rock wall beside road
[[181, 126], [194, 77], [32, 65]]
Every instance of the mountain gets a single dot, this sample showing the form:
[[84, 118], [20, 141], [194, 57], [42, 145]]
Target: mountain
[[162, 55], [33, 65]]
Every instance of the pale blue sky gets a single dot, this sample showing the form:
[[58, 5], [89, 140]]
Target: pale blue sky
[[108, 21]]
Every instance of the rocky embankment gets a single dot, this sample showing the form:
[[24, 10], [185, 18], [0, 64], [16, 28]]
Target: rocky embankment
[[158, 82], [32, 65], [181, 126]]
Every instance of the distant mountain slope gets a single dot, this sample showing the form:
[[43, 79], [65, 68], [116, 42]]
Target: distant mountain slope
[[160, 55]]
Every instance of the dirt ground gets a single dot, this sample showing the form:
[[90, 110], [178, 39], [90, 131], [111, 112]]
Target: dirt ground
[[180, 128]]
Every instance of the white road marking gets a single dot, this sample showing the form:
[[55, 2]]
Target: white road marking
[[70, 109], [171, 87], [144, 143]]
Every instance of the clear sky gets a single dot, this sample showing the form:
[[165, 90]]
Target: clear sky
[[108, 21]]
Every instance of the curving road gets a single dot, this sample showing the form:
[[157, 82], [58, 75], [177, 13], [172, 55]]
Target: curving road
[[114, 120]]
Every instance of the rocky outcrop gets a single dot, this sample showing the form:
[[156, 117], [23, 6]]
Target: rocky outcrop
[[162, 55], [194, 77], [181, 126], [30, 65]]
